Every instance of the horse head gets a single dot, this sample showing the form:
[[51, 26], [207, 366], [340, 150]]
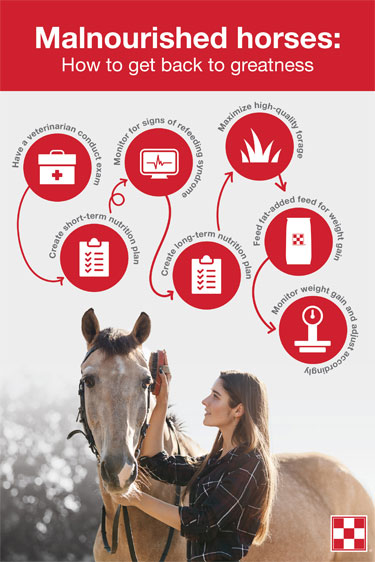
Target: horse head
[[116, 378]]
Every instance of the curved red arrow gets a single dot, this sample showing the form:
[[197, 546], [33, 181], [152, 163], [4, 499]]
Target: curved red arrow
[[112, 199], [169, 293], [58, 279], [282, 184], [270, 326], [229, 177]]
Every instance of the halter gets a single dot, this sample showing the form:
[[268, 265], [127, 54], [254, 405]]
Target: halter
[[82, 418]]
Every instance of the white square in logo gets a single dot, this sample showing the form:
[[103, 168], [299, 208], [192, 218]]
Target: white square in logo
[[338, 533], [348, 544], [349, 523], [359, 533]]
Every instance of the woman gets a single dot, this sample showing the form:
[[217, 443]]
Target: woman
[[231, 489]]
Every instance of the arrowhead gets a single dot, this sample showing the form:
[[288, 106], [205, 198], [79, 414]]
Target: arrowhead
[[282, 186], [271, 328], [230, 175], [60, 279], [170, 294], [124, 180]]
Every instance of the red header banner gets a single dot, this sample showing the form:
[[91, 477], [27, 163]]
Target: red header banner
[[105, 45]]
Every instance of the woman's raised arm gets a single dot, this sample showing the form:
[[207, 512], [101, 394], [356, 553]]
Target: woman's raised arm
[[153, 442]]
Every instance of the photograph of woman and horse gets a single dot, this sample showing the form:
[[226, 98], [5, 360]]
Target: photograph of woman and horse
[[164, 498]]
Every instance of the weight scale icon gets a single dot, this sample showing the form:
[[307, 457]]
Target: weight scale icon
[[312, 316]]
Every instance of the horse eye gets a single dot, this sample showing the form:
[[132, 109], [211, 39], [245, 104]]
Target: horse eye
[[146, 383], [89, 381]]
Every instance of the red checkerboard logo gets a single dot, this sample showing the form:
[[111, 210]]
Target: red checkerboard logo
[[348, 533], [298, 239]]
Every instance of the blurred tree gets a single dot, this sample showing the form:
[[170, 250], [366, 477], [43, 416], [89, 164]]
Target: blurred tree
[[50, 508]]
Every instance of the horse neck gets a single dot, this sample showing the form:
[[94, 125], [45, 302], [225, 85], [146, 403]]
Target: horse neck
[[170, 446]]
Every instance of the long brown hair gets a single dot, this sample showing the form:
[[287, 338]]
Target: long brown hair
[[251, 432]]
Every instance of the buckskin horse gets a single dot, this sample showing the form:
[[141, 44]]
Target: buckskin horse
[[115, 405]]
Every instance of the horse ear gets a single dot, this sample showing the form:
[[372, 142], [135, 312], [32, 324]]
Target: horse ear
[[142, 328], [90, 325]]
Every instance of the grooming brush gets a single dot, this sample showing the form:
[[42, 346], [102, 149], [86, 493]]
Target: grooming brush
[[158, 361]]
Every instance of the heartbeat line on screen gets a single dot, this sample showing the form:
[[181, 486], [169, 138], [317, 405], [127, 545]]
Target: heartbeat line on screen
[[158, 162]]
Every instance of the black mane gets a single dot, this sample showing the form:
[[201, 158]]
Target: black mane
[[178, 424]]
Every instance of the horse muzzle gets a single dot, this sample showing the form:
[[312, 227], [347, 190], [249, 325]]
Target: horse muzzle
[[117, 474]]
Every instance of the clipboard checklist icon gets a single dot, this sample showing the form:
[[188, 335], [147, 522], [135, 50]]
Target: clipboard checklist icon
[[206, 276], [94, 258]]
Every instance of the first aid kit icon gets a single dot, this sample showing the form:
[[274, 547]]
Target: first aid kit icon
[[57, 168]]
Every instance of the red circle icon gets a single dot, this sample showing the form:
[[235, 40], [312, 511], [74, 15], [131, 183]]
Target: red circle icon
[[158, 162], [313, 329], [259, 146], [298, 241], [206, 275], [94, 257], [57, 167]]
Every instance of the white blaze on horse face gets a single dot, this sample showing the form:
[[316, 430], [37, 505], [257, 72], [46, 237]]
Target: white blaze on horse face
[[125, 474], [131, 406], [120, 367], [132, 375]]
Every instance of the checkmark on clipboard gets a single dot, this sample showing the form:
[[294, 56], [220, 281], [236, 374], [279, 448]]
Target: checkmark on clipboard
[[94, 258], [206, 276]]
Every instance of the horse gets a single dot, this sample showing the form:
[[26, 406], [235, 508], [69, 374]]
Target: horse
[[311, 486]]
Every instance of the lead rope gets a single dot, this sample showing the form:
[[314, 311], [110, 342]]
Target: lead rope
[[176, 502], [114, 530], [125, 513]]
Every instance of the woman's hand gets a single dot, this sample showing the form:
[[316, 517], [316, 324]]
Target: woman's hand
[[131, 498], [165, 379], [164, 512]]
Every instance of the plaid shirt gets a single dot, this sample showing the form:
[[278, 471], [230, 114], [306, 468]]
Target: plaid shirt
[[221, 520]]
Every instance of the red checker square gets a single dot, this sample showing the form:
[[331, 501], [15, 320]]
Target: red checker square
[[359, 522], [359, 544], [349, 533], [337, 522], [298, 239], [338, 544]]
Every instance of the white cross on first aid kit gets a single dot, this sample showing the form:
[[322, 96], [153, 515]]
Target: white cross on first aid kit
[[57, 168]]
